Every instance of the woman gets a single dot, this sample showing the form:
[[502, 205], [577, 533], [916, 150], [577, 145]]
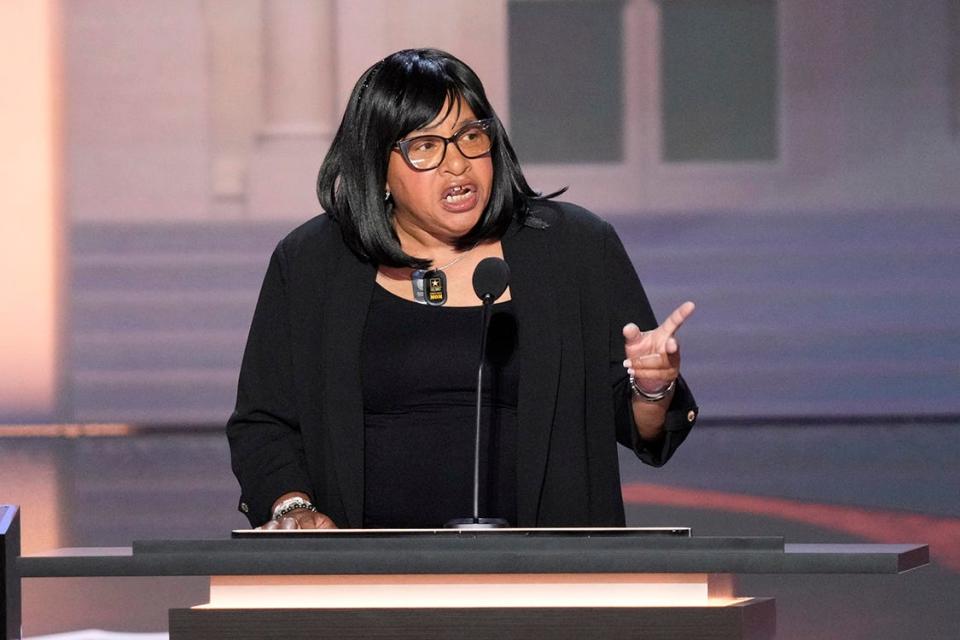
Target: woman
[[356, 395]]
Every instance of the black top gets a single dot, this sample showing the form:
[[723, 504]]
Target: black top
[[419, 374]]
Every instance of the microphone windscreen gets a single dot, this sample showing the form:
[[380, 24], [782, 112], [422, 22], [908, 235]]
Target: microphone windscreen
[[490, 278]]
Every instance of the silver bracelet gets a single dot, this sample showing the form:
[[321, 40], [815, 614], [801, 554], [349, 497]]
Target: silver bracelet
[[292, 504], [656, 396]]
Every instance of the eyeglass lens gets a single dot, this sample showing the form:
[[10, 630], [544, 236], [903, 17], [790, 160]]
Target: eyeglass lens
[[427, 152]]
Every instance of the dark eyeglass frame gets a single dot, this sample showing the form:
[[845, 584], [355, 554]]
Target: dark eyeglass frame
[[404, 145]]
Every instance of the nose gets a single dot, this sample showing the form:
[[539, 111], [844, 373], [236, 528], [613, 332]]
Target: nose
[[454, 162]]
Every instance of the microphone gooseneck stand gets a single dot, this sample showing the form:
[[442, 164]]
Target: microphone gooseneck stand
[[490, 280]]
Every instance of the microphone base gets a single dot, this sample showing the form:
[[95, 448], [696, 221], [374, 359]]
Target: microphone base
[[478, 523]]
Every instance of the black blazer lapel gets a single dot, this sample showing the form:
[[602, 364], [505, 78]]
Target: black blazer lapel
[[342, 321], [534, 291]]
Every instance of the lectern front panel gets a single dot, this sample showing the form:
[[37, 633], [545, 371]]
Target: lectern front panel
[[750, 619]]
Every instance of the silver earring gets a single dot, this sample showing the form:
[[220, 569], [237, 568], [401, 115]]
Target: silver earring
[[386, 196]]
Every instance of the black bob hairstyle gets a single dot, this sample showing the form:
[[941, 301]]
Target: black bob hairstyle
[[403, 92]]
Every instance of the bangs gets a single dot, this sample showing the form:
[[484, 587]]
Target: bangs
[[421, 90]]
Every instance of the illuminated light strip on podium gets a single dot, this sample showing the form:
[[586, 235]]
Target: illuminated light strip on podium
[[470, 590]]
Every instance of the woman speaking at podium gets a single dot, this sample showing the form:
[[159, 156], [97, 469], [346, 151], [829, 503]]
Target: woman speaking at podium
[[356, 398]]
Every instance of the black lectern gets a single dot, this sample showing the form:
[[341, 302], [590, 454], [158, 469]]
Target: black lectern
[[480, 584]]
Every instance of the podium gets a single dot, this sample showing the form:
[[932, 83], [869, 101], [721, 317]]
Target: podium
[[491, 584]]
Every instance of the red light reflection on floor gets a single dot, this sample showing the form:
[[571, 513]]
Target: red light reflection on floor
[[873, 525]]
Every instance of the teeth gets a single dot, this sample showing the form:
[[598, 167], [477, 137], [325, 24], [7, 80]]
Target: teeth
[[458, 193], [457, 197]]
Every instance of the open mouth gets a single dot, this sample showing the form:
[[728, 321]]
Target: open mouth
[[458, 193]]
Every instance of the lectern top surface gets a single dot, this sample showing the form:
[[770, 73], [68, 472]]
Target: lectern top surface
[[485, 554], [7, 514], [506, 531]]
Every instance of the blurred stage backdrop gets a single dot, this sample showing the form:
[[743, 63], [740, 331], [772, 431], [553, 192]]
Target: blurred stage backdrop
[[793, 166]]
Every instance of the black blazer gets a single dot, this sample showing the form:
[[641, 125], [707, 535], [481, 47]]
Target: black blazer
[[298, 423]]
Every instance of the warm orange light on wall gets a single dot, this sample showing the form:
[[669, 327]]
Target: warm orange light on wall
[[30, 222]]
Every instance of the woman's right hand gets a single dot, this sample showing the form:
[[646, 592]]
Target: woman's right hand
[[298, 518], [301, 519]]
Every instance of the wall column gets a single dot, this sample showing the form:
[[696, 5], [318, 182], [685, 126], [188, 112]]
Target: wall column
[[31, 221], [300, 108]]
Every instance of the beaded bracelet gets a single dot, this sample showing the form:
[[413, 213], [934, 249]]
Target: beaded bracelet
[[292, 504]]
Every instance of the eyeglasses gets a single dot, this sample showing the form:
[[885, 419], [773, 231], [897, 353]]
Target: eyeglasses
[[423, 153]]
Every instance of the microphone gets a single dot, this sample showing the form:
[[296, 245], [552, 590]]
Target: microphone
[[490, 280]]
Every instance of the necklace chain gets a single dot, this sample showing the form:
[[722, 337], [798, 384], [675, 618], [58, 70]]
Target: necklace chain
[[455, 260]]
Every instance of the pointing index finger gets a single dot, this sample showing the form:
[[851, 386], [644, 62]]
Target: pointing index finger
[[678, 317]]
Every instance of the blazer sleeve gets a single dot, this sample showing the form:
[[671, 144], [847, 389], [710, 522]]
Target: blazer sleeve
[[628, 303], [266, 448]]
